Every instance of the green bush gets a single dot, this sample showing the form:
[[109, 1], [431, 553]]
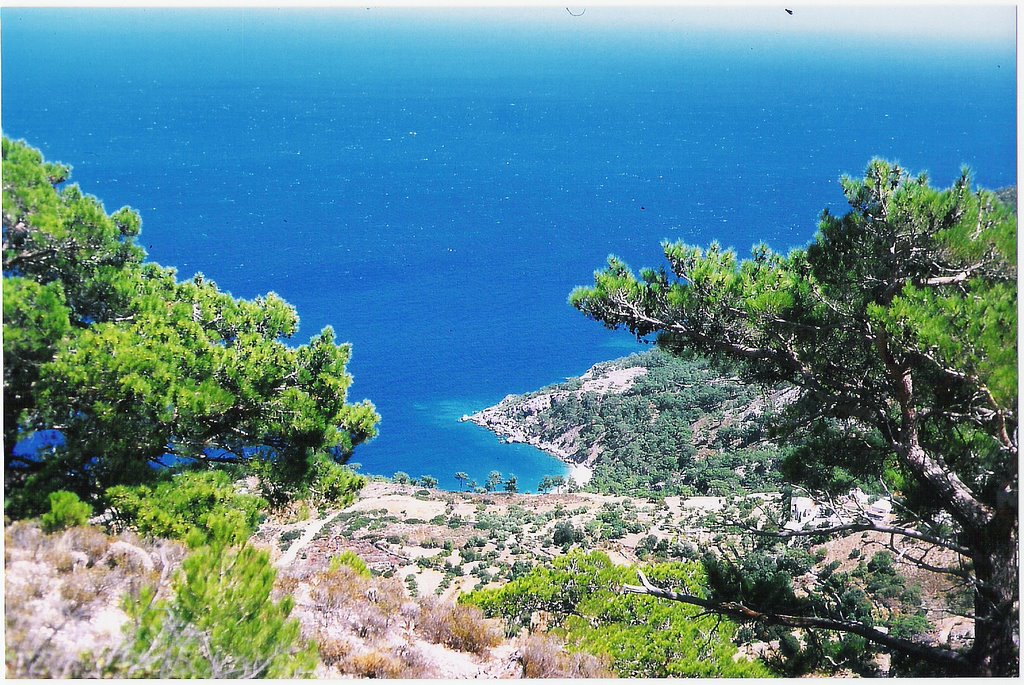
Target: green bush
[[66, 511], [319, 479], [565, 534], [351, 560], [183, 503], [220, 621]]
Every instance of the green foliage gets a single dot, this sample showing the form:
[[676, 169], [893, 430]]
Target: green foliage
[[35, 320], [645, 437], [644, 637], [66, 511], [565, 534], [898, 326], [494, 479], [874, 593], [177, 505], [935, 269], [616, 522], [351, 560], [331, 483], [550, 483], [132, 365], [220, 621]]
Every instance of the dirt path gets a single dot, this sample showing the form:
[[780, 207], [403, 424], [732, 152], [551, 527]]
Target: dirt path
[[314, 527]]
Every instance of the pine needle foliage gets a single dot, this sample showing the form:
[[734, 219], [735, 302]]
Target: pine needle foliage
[[643, 637], [136, 369], [898, 326], [219, 620]]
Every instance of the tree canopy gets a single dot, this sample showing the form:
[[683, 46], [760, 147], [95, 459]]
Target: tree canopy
[[641, 638], [898, 324], [135, 368]]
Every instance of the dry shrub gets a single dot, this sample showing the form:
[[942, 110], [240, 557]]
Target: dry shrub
[[169, 552], [344, 591], [61, 559], [390, 595], [460, 627], [286, 585], [53, 595], [398, 662], [414, 664], [80, 590], [367, 620], [87, 539], [26, 536], [20, 589], [375, 664], [129, 557], [333, 591], [333, 651], [545, 657]]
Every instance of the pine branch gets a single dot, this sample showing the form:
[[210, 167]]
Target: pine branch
[[856, 527], [934, 655]]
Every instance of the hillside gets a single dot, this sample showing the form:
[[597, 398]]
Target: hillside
[[650, 424], [422, 549]]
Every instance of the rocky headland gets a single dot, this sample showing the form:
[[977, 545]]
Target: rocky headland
[[526, 419]]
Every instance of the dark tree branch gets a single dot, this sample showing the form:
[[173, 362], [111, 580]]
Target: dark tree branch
[[934, 655], [855, 527]]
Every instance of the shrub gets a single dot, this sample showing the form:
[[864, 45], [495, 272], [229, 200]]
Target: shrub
[[368, 605], [565, 534], [349, 559], [288, 537], [321, 480], [399, 662], [87, 539], [79, 590], [25, 534], [460, 627], [642, 637], [185, 502], [546, 657], [66, 511], [376, 664], [220, 621], [411, 585], [333, 651]]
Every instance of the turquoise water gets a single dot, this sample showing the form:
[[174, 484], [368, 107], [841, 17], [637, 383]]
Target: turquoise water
[[434, 189]]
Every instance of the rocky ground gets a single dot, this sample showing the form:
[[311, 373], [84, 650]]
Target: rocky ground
[[444, 543], [424, 548]]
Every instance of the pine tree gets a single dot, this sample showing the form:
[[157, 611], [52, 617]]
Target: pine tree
[[898, 325], [135, 368]]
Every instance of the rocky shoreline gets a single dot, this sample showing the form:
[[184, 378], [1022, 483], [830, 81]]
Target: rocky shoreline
[[519, 418]]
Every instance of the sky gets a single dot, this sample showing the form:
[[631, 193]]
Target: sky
[[960, 22]]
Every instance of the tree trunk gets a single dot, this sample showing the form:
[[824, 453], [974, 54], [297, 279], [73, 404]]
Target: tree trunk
[[996, 604]]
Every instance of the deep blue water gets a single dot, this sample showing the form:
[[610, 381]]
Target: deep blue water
[[433, 190]]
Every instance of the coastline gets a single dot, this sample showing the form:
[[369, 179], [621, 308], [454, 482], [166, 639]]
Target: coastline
[[519, 418], [506, 433]]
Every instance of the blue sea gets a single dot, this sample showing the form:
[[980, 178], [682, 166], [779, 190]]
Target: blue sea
[[433, 184]]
